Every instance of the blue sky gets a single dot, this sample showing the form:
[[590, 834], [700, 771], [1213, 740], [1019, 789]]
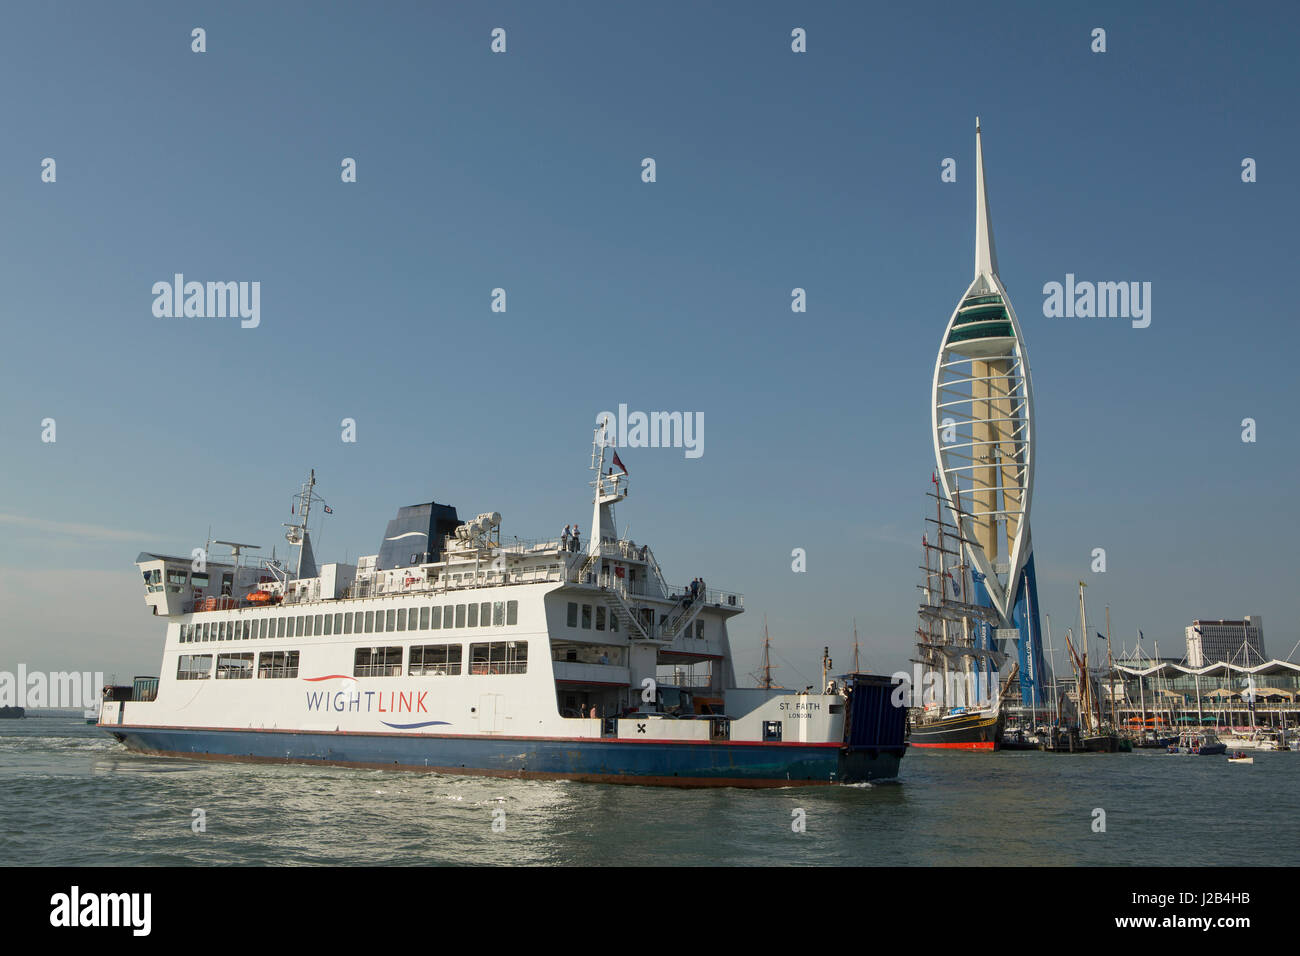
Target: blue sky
[[522, 171]]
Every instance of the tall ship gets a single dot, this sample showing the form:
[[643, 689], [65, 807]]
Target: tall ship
[[450, 650], [960, 705]]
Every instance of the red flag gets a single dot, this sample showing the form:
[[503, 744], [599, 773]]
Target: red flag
[[618, 464]]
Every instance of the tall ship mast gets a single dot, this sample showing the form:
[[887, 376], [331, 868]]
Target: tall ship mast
[[960, 699], [453, 650]]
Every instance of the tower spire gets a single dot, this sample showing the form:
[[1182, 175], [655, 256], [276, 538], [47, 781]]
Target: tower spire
[[986, 256]]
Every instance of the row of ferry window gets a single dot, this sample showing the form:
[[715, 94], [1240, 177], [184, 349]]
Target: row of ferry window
[[485, 614], [602, 618], [429, 660]]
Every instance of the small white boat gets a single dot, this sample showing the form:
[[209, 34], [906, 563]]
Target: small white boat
[[1240, 757]]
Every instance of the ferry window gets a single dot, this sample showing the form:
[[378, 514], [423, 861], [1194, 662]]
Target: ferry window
[[370, 621], [499, 657], [573, 614], [600, 618], [771, 730], [699, 629], [390, 618], [434, 660], [221, 630], [498, 613], [435, 618], [424, 618], [401, 618], [317, 632], [378, 662], [250, 627], [279, 631], [206, 625], [512, 612], [329, 624], [277, 664], [194, 667], [296, 626], [447, 613], [198, 580], [234, 666], [347, 623], [586, 617], [484, 612], [338, 623], [613, 622], [473, 616], [460, 615], [175, 580]]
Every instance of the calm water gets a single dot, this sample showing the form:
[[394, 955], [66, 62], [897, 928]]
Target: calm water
[[70, 795]]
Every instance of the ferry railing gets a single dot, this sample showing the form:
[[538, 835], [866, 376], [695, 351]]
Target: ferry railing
[[377, 670], [533, 546], [709, 596], [484, 578]]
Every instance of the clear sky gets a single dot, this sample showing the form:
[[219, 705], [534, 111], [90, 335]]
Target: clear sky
[[522, 170]]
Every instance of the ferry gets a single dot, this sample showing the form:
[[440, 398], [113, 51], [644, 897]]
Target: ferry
[[451, 650]]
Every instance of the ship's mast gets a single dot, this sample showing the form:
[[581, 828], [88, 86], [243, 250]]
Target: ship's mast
[[609, 489], [297, 533], [1056, 708], [1110, 664], [765, 681], [855, 645]]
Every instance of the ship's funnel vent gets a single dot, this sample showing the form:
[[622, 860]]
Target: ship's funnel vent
[[415, 535]]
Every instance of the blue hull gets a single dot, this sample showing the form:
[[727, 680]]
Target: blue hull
[[603, 760]]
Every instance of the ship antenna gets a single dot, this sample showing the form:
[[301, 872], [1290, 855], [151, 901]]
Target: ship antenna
[[297, 533]]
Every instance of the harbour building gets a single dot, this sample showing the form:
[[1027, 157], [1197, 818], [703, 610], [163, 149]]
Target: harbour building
[[982, 425], [1237, 642]]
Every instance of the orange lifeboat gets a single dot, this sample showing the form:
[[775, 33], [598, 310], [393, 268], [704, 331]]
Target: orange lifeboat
[[260, 597]]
